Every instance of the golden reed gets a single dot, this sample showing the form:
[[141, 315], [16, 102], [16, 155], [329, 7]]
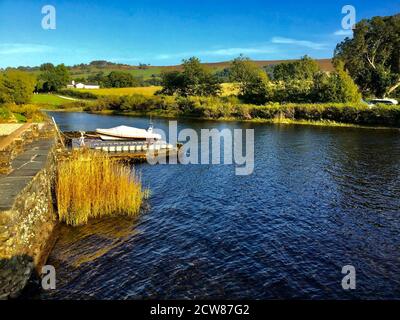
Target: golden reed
[[92, 185]]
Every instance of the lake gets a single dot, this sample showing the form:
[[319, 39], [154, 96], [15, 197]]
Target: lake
[[319, 198]]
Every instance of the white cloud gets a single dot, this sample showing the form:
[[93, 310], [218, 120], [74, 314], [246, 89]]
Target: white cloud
[[23, 48], [343, 32], [301, 43], [219, 52]]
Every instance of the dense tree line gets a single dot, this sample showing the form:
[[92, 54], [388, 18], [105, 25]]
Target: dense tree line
[[299, 81], [120, 79]]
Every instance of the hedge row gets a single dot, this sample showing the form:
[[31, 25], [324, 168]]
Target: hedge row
[[231, 107], [77, 94]]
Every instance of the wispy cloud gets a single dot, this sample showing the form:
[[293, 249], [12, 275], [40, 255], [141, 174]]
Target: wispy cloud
[[301, 43], [343, 32], [271, 47], [23, 48], [220, 52]]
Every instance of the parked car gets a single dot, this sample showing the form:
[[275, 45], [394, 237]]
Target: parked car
[[391, 102]]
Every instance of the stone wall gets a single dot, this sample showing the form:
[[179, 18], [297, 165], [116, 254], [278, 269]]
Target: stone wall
[[26, 231], [19, 139]]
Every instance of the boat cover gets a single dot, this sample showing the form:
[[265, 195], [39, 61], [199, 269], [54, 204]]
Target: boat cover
[[128, 133]]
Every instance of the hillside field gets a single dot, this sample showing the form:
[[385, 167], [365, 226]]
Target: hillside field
[[227, 89]]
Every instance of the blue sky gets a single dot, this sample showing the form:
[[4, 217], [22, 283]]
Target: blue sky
[[165, 32]]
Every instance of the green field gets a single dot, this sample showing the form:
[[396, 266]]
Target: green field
[[49, 99], [146, 91], [137, 73], [227, 89]]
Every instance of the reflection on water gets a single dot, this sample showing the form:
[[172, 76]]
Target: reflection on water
[[319, 198], [83, 244]]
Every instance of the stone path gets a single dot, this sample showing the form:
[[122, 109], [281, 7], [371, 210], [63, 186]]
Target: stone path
[[25, 166]]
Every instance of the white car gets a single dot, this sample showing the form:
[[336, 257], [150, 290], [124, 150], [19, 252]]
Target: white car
[[391, 102]]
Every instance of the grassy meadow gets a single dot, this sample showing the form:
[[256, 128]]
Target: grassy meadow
[[49, 99], [146, 91], [227, 89]]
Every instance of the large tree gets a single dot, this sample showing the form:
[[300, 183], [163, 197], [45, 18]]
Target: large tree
[[194, 80], [198, 79], [120, 79], [372, 56], [251, 80], [172, 82], [52, 78]]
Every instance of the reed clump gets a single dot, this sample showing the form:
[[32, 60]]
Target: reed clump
[[92, 185]]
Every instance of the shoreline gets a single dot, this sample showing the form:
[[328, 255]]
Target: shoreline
[[280, 121]]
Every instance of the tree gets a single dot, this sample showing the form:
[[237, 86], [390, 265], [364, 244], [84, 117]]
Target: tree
[[52, 78], [252, 81], [172, 82], [143, 66], [303, 69], [120, 79], [16, 86], [198, 80], [372, 56], [194, 80], [99, 78], [335, 87]]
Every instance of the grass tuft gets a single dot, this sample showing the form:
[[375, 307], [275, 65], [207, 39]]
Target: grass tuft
[[92, 185]]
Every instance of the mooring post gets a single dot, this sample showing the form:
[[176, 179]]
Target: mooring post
[[58, 132]]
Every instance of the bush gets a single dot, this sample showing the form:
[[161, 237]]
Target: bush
[[5, 114], [74, 105], [26, 112]]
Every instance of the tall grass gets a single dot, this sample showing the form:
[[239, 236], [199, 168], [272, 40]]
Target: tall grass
[[92, 185]]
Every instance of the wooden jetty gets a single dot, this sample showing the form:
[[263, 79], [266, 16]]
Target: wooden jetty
[[127, 150]]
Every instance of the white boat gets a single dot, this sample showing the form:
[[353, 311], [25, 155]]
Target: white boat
[[127, 133]]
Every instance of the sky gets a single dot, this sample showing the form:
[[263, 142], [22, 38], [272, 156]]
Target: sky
[[165, 32]]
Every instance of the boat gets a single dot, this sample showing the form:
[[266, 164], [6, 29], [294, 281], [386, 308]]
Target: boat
[[128, 133]]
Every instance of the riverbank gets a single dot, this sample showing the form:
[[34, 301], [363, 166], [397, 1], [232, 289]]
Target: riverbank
[[232, 109], [284, 121]]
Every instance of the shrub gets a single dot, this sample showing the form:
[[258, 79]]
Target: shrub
[[74, 105], [29, 112]]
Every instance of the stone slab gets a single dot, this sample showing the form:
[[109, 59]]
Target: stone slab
[[24, 168]]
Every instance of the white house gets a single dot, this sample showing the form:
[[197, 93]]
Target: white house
[[80, 85]]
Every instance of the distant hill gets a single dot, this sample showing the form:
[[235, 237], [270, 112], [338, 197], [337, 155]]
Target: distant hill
[[147, 71], [325, 64]]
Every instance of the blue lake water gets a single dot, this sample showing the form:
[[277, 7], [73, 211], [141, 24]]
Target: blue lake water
[[320, 198]]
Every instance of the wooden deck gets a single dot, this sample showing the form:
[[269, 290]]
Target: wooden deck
[[124, 150]]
